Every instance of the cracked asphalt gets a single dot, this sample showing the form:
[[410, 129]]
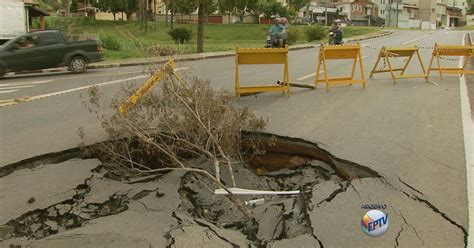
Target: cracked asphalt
[[410, 133]]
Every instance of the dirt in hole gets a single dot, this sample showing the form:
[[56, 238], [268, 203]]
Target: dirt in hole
[[282, 164]]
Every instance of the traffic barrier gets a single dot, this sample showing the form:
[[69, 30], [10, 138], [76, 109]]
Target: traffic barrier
[[337, 52], [451, 50], [398, 52], [151, 82], [256, 56]]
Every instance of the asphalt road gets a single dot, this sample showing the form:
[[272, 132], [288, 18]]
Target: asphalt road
[[410, 132]]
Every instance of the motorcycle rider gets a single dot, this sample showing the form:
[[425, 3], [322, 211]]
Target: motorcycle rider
[[278, 32], [336, 29]]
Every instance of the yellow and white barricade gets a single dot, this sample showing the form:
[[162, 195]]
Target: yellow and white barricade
[[339, 52], [151, 82], [398, 52], [258, 56], [451, 50]]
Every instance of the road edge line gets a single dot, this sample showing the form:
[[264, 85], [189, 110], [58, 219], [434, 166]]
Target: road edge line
[[468, 135]]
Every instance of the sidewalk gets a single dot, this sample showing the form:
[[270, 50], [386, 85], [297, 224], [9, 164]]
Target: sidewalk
[[201, 56]]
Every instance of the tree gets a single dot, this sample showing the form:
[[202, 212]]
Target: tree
[[211, 7], [200, 28], [185, 7], [270, 9], [470, 10], [244, 7], [226, 7], [113, 6], [73, 7], [131, 7], [297, 4], [166, 130]]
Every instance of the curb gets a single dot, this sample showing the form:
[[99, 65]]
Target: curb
[[194, 57], [222, 55]]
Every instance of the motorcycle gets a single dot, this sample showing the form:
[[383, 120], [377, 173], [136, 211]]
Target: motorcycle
[[273, 42], [335, 39]]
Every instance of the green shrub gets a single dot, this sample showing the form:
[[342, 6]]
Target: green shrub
[[180, 35], [292, 36], [110, 42], [315, 32]]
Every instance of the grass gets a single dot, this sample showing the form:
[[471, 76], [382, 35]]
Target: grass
[[468, 27], [218, 37]]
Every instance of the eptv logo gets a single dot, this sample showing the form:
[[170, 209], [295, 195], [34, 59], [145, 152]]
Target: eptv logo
[[374, 223]]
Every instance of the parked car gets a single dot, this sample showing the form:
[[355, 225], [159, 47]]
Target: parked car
[[47, 49]]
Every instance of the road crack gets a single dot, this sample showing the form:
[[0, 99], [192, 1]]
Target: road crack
[[429, 205], [398, 236], [444, 215], [203, 224], [414, 229], [343, 188], [409, 186]]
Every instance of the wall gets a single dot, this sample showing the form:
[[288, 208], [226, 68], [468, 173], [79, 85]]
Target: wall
[[414, 23], [426, 10], [109, 16], [470, 20], [12, 19]]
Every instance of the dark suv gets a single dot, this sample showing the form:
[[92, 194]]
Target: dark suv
[[47, 49]]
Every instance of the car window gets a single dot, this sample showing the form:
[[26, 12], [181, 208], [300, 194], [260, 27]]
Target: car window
[[48, 39], [26, 42]]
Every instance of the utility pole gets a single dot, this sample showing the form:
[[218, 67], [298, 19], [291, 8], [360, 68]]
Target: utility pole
[[397, 12], [326, 12], [389, 13]]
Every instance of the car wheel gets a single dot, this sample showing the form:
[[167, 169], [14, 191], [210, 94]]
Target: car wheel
[[77, 64]]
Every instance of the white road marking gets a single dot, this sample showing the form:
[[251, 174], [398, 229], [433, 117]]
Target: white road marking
[[114, 74], [468, 131], [419, 38], [6, 91], [85, 87], [308, 76], [10, 102], [314, 74], [16, 87], [26, 83], [102, 75]]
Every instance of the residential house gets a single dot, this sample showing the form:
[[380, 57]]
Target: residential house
[[390, 10], [32, 12], [317, 11], [410, 17], [359, 12]]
